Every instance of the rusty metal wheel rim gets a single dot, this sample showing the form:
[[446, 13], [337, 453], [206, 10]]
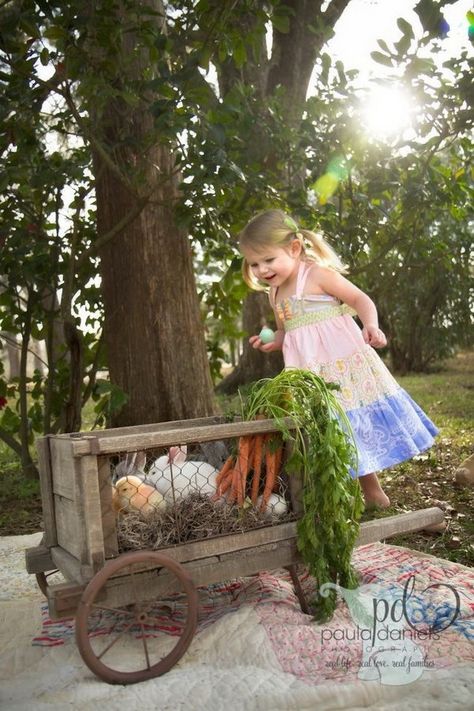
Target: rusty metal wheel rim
[[42, 580], [114, 676]]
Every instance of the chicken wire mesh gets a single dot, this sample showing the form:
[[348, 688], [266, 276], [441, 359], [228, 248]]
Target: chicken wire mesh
[[186, 493]]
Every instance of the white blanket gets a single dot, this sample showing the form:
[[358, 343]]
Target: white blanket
[[263, 654]]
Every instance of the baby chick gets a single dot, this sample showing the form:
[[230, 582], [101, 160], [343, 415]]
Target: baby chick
[[132, 494]]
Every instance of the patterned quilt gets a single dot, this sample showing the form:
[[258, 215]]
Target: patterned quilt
[[405, 636]]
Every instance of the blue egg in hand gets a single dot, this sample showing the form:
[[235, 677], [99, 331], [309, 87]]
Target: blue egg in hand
[[266, 335]]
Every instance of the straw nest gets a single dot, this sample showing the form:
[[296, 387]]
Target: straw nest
[[195, 517]]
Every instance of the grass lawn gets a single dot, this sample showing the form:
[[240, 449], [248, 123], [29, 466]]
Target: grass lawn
[[447, 397]]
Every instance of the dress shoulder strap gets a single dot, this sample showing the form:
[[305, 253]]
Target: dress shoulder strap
[[303, 272], [272, 296]]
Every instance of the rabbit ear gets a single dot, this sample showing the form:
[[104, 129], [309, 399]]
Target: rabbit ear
[[124, 467], [130, 460], [135, 460], [177, 454], [140, 459]]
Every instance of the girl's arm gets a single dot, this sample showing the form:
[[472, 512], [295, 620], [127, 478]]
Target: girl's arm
[[333, 283], [275, 345]]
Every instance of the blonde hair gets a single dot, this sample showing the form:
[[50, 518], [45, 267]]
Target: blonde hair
[[273, 228]]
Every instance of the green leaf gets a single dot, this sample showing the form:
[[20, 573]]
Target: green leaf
[[381, 58], [403, 45], [235, 169], [326, 65], [383, 45], [405, 27], [421, 65], [430, 15], [281, 23], [55, 32], [9, 420], [44, 56], [30, 27], [239, 54]]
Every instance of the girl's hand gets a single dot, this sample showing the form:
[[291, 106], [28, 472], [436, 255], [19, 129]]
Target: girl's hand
[[374, 336], [275, 345]]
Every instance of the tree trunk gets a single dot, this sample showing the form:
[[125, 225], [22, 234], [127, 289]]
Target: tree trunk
[[253, 364], [154, 336], [294, 52], [153, 330]]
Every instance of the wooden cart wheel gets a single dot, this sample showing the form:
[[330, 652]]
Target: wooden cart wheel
[[111, 637], [42, 580]]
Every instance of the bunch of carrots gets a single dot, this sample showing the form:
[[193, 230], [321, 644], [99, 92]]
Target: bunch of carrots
[[244, 469]]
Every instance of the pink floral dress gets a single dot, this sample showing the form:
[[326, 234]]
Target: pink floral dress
[[322, 336]]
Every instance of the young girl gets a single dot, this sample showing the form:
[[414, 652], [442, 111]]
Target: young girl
[[314, 305]]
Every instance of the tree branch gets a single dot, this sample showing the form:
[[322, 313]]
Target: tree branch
[[378, 259], [334, 11], [120, 225], [97, 145], [294, 53], [16, 345], [93, 371], [10, 441]]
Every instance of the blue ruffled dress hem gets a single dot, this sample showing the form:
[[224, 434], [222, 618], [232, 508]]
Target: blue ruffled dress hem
[[390, 431]]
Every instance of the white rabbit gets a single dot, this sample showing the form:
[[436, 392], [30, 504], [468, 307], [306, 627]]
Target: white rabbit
[[133, 464], [276, 506], [176, 478]]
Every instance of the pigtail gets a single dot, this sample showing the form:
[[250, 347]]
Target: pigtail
[[321, 251]]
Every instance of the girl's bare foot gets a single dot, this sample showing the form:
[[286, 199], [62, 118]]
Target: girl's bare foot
[[378, 502], [374, 495]]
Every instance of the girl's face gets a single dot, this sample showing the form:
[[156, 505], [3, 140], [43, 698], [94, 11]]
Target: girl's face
[[274, 265]]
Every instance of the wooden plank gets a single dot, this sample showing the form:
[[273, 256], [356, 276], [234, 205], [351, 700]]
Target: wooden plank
[[179, 435], [378, 529], [63, 599], [150, 427], [38, 559], [46, 486], [63, 467], [207, 571], [108, 516], [218, 545], [253, 560], [94, 554], [370, 531], [70, 527], [157, 426], [71, 567], [231, 564]]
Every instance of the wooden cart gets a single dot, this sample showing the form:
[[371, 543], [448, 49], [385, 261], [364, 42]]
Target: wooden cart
[[140, 588]]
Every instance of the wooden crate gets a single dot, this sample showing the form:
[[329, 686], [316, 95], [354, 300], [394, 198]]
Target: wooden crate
[[80, 524]]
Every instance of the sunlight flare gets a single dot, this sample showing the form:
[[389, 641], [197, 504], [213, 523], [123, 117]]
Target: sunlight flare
[[387, 112]]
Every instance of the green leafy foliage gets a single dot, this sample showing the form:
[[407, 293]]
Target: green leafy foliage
[[48, 286], [109, 399], [322, 453], [373, 218], [400, 217]]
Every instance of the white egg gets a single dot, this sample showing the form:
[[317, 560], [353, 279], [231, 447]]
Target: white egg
[[276, 506]]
